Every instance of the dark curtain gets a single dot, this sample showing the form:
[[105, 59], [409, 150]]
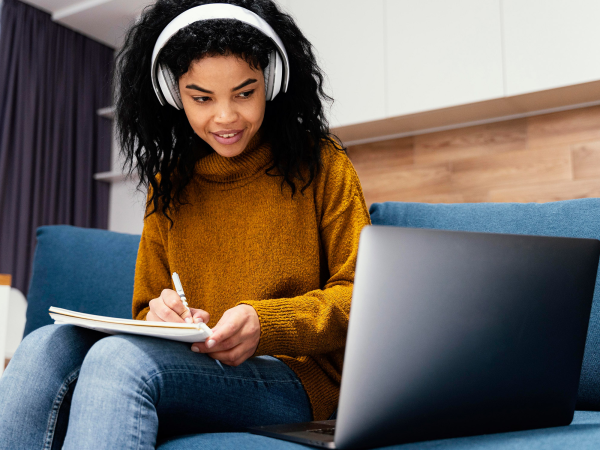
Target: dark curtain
[[52, 81]]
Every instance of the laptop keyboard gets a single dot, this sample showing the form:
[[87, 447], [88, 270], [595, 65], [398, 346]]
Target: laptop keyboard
[[329, 431]]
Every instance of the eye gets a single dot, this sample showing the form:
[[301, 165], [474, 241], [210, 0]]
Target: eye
[[246, 94], [201, 99]]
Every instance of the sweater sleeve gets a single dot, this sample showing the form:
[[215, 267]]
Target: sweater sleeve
[[151, 267], [317, 322]]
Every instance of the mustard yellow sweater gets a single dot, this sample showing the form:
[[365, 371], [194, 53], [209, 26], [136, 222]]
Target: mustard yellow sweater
[[242, 240]]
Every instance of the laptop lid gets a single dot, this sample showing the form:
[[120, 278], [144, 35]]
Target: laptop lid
[[459, 333]]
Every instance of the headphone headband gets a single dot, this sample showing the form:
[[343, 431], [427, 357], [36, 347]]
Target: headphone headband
[[210, 12]]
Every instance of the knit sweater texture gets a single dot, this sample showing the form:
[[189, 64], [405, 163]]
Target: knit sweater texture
[[243, 239]]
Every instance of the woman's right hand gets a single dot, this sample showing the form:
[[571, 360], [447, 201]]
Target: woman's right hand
[[169, 308]]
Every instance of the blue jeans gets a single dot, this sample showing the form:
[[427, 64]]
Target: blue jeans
[[94, 391]]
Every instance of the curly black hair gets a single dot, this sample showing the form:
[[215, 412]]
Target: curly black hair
[[158, 142]]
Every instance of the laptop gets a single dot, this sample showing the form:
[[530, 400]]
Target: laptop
[[458, 333]]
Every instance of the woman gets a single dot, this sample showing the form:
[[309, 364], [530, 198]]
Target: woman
[[252, 203]]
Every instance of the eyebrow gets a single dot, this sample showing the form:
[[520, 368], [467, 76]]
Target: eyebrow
[[237, 88]]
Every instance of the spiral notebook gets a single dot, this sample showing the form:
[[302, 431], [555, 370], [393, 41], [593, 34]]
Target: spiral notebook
[[184, 332]]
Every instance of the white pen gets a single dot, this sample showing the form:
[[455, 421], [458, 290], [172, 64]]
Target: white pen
[[179, 289]]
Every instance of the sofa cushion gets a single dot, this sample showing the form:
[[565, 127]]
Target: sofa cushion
[[82, 269], [582, 434], [571, 218]]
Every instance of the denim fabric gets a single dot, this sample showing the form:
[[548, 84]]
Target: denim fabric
[[83, 270], [571, 218], [134, 391]]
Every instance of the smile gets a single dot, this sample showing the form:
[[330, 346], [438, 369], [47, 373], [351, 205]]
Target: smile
[[232, 137]]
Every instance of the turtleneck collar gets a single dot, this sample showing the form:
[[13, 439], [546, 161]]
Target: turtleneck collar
[[230, 172]]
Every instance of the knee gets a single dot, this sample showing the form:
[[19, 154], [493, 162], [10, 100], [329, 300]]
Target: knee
[[114, 358], [46, 359], [46, 333], [47, 340]]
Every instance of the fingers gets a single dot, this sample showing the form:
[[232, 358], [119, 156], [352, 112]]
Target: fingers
[[162, 311], [217, 346], [235, 337], [169, 308], [226, 334], [235, 356], [225, 345], [200, 314], [153, 317], [173, 301], [224, 330]]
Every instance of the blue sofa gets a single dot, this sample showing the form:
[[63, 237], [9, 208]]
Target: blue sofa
[[92, 271]]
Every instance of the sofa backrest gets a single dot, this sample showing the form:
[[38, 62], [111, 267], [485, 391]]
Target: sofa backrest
[[81, 269], [571, 218]]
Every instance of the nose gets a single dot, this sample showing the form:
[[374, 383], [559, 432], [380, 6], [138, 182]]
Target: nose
[[226, 113]]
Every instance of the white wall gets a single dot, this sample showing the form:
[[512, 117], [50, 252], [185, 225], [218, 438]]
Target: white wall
[[550, 43], [442, 54], [388, 58], [349, 38], [126, 210], [126, 203]]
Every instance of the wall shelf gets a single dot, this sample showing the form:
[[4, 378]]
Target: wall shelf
[[112, 177], [108, 112]]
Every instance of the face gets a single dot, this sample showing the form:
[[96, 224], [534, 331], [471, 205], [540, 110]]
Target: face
[[224, 101]]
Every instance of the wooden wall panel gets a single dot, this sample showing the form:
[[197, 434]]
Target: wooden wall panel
[[547, 192], [520, 167], [467, 143], [567, 127], [586, 160], [538, 159]]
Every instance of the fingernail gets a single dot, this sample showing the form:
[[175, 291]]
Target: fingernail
[[195, 349], [188, 320], [210, 343], [198, 320]]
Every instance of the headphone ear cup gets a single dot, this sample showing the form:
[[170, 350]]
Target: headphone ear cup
[[270, 76], [162, 89], [277, 75], [169, 87]]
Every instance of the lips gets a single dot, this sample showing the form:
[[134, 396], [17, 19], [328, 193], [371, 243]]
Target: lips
[[228, 137], [222, 132]]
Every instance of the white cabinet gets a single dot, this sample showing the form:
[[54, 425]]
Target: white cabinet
[[442, 53], [550, 43], [349, 37]]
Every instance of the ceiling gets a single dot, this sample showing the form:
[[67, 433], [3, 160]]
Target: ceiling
[[103, 20]]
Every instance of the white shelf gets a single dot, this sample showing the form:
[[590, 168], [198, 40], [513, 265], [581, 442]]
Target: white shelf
[[112, 177], [108, 112]]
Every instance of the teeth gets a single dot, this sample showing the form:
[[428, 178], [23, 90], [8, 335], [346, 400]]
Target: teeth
[[227, 135]]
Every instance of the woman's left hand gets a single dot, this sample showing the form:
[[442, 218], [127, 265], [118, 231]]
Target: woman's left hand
[[235, 337]]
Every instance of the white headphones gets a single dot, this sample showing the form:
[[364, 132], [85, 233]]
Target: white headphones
[[277, 72]]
